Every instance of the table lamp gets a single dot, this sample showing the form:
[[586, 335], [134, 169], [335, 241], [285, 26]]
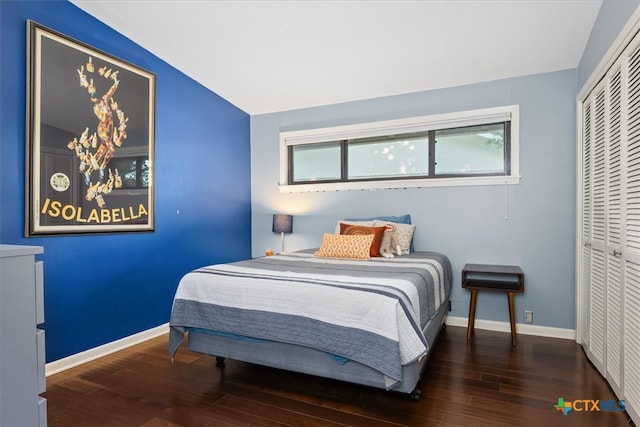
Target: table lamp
[[282, 224]]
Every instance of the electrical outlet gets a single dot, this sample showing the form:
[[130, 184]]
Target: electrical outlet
[[528, 316]]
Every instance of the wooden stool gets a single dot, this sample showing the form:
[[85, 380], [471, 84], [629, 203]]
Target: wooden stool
[[503, 278]]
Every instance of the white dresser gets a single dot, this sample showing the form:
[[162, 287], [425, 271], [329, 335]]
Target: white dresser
[[22, 353]]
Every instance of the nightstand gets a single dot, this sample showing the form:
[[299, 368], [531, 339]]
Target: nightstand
[[487, 277]]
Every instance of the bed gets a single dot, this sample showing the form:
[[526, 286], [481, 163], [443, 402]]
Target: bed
[[372, 322]]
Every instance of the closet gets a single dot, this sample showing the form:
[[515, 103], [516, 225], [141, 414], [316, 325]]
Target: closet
[[608, 250]]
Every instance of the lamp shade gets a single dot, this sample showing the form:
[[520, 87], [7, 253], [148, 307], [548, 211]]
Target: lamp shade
[[282, 223]]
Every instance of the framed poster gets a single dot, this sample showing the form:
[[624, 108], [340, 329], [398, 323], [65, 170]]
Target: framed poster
[[90, 139]]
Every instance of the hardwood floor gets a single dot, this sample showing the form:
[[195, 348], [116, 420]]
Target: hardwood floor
[[484, 383]]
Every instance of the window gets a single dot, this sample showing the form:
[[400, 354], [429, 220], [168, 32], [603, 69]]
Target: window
[[134, 171], [388, 157], [477, 147], [316, 162], [473, 150]]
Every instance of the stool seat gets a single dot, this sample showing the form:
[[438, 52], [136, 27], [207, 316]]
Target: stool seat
[[502, 278]]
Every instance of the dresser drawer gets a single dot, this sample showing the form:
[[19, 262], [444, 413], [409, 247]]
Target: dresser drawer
[[39, 271], [42, 412], [40, 349]]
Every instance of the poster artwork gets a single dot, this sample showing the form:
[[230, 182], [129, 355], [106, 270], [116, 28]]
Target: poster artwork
[[90, 145]]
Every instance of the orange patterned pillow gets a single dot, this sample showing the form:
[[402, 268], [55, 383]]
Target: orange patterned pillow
[[377, 232], [356, 246]]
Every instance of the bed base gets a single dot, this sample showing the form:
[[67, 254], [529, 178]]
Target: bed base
[[314, 362]]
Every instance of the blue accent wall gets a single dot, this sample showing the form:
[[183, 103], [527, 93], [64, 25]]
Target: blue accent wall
[[466, 223], [100, 288]]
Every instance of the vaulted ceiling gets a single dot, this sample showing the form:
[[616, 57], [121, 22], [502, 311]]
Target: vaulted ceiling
[[268, 56]]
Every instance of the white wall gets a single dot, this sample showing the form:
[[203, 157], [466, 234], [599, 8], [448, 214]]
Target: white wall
[[466, 223]]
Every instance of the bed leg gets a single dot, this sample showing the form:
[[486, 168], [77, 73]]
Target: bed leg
[[415, 394], [219, 361]]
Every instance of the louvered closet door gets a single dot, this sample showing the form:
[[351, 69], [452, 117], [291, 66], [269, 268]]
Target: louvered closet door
[[609, 257], [586, 214], [631, 254], [597, 294], [614, 274]]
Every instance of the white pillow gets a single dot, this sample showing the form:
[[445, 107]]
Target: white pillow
[[401, 237]]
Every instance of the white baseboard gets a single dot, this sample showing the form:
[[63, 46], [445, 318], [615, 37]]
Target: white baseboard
[[104, 350], [521, 328]]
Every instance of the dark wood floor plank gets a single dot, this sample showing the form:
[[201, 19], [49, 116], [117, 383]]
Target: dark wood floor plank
[[344, 409], [480, 383]]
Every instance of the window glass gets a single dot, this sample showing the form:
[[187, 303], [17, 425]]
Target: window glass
[[408, 156], [144, 173], [134, 171], [471, 150], [316, 162]]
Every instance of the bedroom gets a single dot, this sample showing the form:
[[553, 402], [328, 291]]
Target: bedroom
[[121, 297]]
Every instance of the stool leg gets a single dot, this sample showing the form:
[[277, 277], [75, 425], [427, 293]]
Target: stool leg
[[472, 313], [512, 318]]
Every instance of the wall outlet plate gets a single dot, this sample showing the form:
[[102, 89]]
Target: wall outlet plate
[[528, 316]]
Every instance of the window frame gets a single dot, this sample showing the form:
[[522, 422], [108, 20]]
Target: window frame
[[427, 124]]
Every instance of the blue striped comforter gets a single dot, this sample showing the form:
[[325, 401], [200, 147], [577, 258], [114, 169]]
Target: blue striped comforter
[[372, 311]]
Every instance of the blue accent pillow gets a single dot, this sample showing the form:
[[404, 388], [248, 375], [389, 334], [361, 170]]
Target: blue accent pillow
[[402, 219]]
